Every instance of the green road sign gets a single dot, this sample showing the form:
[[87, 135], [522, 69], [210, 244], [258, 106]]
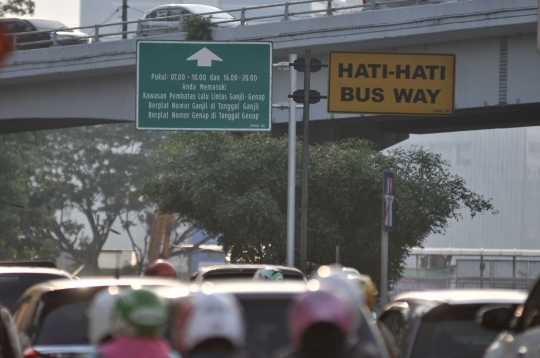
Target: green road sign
[[204, 85]]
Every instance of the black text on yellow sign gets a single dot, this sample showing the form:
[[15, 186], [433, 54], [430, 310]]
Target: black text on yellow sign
[[390, 83]]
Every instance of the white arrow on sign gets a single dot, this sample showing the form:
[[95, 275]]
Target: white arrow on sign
[[204, 57]]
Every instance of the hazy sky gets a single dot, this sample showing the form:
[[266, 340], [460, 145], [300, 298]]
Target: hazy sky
[[65, 11]]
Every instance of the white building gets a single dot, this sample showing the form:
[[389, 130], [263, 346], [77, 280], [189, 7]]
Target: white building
[[502, 164]]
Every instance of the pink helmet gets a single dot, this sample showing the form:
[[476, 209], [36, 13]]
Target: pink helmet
[[321, 307]]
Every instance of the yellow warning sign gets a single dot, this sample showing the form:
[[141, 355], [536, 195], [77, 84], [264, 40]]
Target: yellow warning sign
[[390, 83]]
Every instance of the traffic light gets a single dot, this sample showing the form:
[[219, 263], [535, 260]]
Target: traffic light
[[5, 44]]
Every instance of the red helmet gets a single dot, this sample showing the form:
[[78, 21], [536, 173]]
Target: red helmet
[[318, 307], [160, 268]]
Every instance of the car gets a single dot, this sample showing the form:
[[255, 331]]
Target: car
[[51, 316], [166, 18], [237, 271], [520, 327], [14, 280], [266, 304], [443, 323], [9, 342], [34, 32]]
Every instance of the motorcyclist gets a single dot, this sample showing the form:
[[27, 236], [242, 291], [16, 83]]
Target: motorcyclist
[[370, 337], [139, 322], [209, 326], [160, 268], [322, 324], [270, 274]]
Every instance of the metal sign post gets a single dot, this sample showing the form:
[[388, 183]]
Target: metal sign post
[[305, 156], [291, 183], [307, 97], [388, 224]]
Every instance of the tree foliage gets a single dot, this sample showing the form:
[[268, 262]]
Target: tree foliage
[[197, 27], [93, 171], [237, 190], [17, 7], [24, 213]]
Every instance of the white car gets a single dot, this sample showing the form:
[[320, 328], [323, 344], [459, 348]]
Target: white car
[[442, 324], [167, 18], [521, 335]]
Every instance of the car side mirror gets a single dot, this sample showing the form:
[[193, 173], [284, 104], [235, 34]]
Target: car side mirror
[[495, 318], [27, 29]]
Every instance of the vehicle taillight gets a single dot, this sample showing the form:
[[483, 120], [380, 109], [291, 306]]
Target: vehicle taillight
[[32, 353]]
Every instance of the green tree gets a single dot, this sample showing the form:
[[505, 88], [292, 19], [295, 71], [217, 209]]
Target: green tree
[[24, 213], [236, 189], [197, 27], [18, 7], [94, 171]]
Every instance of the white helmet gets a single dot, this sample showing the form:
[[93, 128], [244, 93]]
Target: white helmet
[[99, 315], [210, 316], [333, 276]]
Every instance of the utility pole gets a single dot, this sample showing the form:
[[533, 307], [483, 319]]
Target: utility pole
[[124, 19]]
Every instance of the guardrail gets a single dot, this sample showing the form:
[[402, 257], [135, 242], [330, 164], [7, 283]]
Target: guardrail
[[99, 32]]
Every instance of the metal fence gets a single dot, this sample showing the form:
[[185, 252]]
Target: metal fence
[[477, 273], [284, 12]]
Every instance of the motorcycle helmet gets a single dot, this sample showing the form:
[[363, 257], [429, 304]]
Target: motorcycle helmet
[[160, 268], [207, 317], [100, 326], [140, 313], [268, 274], [333, 276], [321, 306]]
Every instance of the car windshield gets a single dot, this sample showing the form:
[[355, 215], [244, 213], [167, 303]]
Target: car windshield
[[13, 285], [201, 9], [452, 332], [44, 24]]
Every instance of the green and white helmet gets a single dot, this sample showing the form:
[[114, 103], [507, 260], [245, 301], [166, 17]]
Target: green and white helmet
[[268, 274], [140, 313]]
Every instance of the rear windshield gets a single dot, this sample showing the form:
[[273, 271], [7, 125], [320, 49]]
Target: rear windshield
[[219, 275], [43, 24], [62, 317], [13, 285], [266, 326], [224, 275], [451, 331]]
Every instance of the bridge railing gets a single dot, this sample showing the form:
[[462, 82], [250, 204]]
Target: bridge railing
[[135, 28]]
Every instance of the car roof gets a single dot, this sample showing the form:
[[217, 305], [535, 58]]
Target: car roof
[[54, 285], [253, 289], [249, 267], [182, 5], [33, 270], [459, 297]]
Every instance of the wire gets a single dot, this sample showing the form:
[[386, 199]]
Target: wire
[[118, 8], [115, 11], [131, 7]]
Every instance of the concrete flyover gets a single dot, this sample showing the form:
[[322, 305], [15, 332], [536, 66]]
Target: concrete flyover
[[497, 70]]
